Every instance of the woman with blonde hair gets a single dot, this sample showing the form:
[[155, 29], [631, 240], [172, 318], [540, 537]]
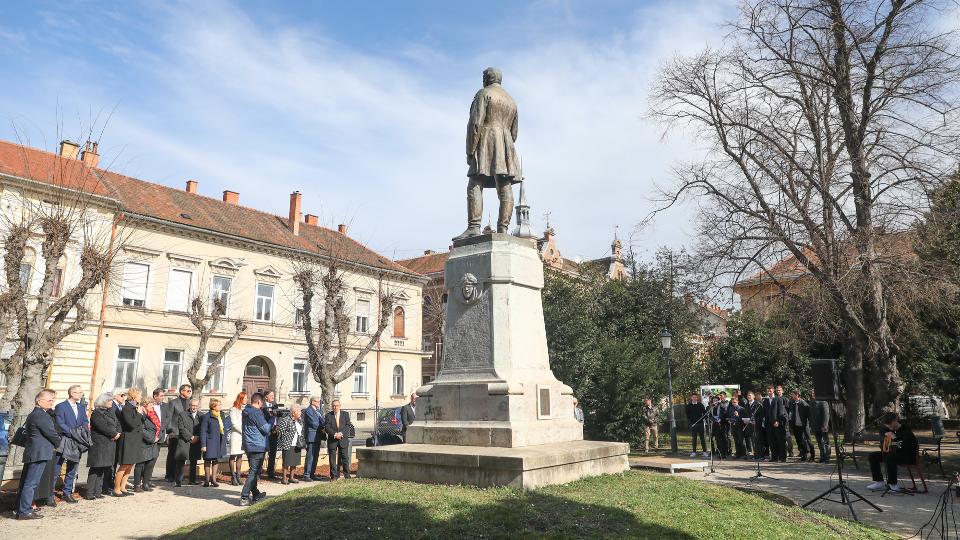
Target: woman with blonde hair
[[131, 441], [235, 440], [214, 431]]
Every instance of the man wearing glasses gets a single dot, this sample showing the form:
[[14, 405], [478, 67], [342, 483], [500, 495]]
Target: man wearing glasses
[[42, 439]]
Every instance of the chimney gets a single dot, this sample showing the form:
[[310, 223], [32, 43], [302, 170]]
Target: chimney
[[342, 229], [231, 197], [428, 252], [69, 149], [294, 222], [90, 155], [311, 219], [191, 186]]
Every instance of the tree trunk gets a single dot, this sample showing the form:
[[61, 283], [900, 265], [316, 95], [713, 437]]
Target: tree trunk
[[853, 386], [328, 388], [32, 382], [887, 386], [14, 374]]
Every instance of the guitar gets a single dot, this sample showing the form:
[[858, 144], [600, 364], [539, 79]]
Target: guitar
[[889, 443]]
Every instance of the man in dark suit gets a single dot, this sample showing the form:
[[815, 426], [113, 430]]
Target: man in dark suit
[[735, 415], [42, 439], [177, 414], [721, 428], [408, 414], [313, 422], [337, 426], [71, 419], [798, 412], [751, 417], [195, 454], [270, 413], [776, 419], [820, 425]]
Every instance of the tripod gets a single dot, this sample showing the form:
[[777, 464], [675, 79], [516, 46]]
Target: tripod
[[756, 443], [847, 495]]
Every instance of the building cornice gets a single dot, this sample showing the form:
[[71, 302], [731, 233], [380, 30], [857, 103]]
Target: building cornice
[[271, 249]]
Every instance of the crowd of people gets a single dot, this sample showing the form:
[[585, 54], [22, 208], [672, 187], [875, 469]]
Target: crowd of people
[[769, 428], [124, 433], [772, 427]]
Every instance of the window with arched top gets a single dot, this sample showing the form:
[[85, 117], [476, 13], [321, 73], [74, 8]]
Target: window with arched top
[[257, 367], [399, 322], [397, 380]]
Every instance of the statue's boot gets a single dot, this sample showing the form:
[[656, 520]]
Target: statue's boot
[[469, 233], [474, 208]]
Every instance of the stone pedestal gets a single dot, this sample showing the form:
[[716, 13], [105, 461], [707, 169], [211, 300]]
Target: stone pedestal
[[495, 414]]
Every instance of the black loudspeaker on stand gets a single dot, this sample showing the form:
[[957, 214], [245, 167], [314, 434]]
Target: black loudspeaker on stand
[[826, 384], [826, 380]]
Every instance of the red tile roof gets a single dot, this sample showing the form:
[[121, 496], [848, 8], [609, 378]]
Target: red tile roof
[[426, 264], [160, 202], [896, 246], [48, 168]]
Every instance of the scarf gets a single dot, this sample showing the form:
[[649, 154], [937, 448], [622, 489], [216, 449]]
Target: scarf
[[152, 416], [216, 414]]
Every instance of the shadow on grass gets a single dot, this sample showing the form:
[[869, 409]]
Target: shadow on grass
[[317, 515]]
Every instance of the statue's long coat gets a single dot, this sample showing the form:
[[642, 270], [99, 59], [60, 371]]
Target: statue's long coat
[[491, 132]]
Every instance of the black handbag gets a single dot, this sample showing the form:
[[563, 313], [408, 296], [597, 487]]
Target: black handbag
[[20, 437]]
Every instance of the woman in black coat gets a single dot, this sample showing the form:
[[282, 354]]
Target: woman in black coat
[[104, 431], [131, 442]]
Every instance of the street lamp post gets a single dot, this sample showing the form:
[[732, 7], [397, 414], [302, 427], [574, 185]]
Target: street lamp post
[[665, 345]]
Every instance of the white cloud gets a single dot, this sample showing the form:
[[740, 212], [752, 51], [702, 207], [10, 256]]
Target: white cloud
[[377, 139]]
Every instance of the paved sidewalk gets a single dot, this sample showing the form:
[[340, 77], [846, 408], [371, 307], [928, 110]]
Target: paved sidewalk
[[801, 482]]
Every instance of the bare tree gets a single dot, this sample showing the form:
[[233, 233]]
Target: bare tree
[[329, 340], [39, 307], [828, 122], [434, 322], [206, 326]]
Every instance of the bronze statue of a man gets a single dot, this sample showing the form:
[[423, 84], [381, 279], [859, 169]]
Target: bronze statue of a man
[[493, 161]]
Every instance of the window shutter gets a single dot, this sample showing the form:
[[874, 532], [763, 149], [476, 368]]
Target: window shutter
[[178, 290], [135, 283]]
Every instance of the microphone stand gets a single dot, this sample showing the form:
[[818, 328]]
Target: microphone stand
[[756, 442]]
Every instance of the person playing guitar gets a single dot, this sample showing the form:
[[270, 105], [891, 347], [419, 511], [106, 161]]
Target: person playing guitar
[[897, 447]]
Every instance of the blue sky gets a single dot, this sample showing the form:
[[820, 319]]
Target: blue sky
[[363, 108]]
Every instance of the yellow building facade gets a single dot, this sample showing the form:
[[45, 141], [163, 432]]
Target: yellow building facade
[[175, 245]]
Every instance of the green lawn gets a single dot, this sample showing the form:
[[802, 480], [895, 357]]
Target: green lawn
[[634, 505]]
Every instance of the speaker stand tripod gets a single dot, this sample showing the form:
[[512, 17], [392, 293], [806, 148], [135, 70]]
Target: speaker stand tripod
[[847, 495]]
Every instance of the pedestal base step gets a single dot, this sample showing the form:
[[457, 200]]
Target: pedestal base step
[[529, 467], [667, 463]]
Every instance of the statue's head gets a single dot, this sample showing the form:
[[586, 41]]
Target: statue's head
[[469, 288], [491, 76]]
